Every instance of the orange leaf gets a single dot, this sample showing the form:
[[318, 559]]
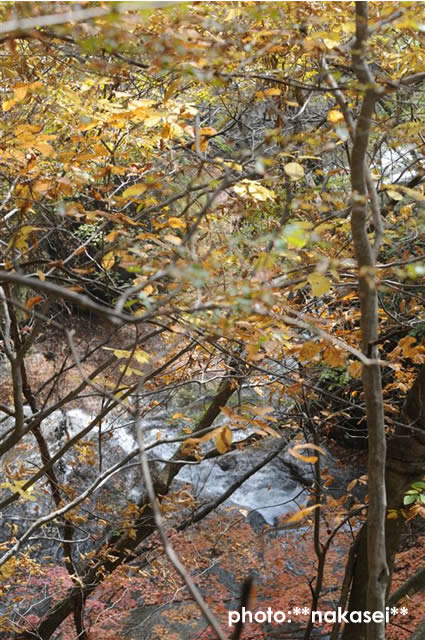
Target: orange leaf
[[223, 439], [312, 459], [207, 131], [32, 301], [355, 369], [309, 351], [334, 357]]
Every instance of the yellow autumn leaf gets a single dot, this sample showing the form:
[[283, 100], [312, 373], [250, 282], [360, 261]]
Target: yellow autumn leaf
[[20, 93], [9, 568], [42, 186], [412, 193], [118, 353], [130, 371], [16, 487], [329, 44], [19, 239], [295, 235], [319, 283], [409, 347], [294, 170], [135, 190], [45, 148], [8, 104], [223, 439], [232, 165], [274, 91], [141, 356], [334, 116], [352, 484], [176, 223], [392, 514], [267, 431], [254, 189], [189, 444], [300, 515], [150, 117], [108, 260], [349, 27], [394, 195]]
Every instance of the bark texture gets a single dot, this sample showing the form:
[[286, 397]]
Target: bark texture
[[405, 464], [366, 252]]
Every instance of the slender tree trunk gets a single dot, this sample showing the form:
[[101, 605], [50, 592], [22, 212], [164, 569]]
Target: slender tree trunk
[[405, 464], [366, 253]]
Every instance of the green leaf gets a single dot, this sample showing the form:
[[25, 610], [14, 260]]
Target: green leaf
[[409, 499], [418, 485], [295, 236]]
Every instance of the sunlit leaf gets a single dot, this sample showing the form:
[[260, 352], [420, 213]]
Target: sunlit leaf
[[135, 190], [223, 439], [335, 116], [141, 356], [176, 223], [294, 170], [20, 93], [108, 260], [16, 487], [395, 195], [300, 515], [175, 240], [254, 189], [273, 91], [320, 284], [295, 236]]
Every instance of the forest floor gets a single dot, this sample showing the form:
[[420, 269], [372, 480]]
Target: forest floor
[[148, 599]]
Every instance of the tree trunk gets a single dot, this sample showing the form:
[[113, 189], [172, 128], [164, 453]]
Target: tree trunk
[[366, 254], [405, 464]]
